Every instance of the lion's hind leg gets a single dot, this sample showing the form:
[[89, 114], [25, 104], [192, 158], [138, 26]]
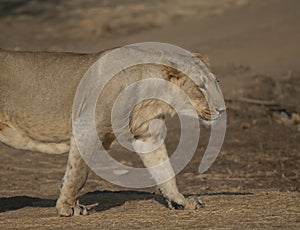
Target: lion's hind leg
[[74, 179]]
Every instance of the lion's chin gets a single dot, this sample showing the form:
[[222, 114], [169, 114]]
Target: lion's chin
[[209, 121]]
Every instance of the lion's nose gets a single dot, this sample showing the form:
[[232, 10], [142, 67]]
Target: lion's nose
[[220, 111]]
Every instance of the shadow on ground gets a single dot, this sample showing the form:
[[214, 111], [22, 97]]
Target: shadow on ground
[[106, 199]]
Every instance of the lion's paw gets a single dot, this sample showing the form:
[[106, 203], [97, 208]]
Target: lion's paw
[[193, 203], [74, 210], [190, 203]]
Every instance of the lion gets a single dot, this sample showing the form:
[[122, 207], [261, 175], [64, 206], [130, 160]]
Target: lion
[[37, 90]]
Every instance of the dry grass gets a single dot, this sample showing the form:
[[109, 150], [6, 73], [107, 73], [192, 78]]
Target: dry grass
[[259, 210]]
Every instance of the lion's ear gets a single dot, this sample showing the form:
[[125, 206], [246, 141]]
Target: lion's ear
[[171, 73], [203, 58]]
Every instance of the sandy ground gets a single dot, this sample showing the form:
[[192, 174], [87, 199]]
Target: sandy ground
[[254, 50]]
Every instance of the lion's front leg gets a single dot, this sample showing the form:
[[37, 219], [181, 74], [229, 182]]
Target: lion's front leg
[[168, 189], [74, 179], [175, 199]]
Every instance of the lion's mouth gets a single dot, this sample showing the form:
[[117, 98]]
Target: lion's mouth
[[209, 121], [210, 118]]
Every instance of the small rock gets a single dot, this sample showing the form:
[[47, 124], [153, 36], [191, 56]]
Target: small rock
[[120, 172]]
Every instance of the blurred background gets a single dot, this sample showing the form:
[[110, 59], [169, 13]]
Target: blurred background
[[253, 47], [51, 22]]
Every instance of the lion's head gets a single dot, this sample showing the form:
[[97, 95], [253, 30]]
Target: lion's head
[[206, 97]]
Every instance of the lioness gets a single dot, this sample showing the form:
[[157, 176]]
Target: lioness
[[36, 95]]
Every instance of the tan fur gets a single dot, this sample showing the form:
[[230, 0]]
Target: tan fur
[[203, 58], [36, 96]]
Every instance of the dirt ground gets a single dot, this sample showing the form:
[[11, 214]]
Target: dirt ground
[[254, 50]]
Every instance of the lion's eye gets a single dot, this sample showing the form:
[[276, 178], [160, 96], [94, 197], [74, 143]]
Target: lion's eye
[[217, 80], [202, 86]]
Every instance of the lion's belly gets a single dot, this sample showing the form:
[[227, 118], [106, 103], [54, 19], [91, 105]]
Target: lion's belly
[[14, 136], [36, 96], [39, 124]]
